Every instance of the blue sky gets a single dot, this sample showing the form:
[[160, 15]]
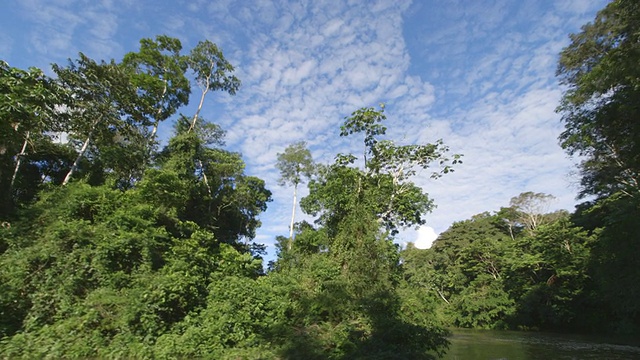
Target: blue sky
[[478, 74]]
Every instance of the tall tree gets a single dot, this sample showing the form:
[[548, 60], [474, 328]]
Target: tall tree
[[385, 182], [29, 109], [103, 107], [601, 112], [159, 75], [295, 164], [531, 209], [601, 106], [350, 258], [212, 71]]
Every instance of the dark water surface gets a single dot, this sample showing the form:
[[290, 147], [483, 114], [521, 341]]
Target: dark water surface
[[512, 345]]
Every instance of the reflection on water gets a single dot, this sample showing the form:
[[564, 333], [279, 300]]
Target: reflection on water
[[510, 345]]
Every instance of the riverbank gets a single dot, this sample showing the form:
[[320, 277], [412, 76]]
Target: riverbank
[[518, 345]]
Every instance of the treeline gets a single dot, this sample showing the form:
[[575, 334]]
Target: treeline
[[112, 246], [522, 268], [109, 242]]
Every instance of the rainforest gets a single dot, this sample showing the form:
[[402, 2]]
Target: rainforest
[[117, 243]]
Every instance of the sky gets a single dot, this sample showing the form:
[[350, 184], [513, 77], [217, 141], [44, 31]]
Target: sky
[[480, 75]]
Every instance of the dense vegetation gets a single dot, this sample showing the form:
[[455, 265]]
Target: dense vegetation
[[520, 267], [114, 246]]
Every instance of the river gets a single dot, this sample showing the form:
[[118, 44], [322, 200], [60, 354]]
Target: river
[[512, 345]]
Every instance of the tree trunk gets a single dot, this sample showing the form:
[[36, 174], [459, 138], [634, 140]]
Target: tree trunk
[[157, 122], [154, 131], [206, 182], [74, 167], [18, 162], [511, 231], [195, 117], [293, 215], [441, 295]]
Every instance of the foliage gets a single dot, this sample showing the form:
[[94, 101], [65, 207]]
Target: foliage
[[128, 254], [147, 254], [294, 164], [600, 107], [107, 264], [229, 202], [554, 265], [480, 274], [349, 298], [613, 265], [30, 117], [463, 273], [600, 112]]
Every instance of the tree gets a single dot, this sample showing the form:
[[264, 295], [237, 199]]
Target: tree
[[30, 117], [159, 75], [349, 267], [531, 209], [600, 107], [294, 164], [103, 111], [212, 72], [384, 185]]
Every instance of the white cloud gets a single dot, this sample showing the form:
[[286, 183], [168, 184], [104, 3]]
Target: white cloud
[[60, 29], [493, 101], [425, 237], [478, 75]]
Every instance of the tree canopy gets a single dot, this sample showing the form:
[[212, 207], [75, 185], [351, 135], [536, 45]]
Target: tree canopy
[[113, 247], [600, 108], [294, 164]]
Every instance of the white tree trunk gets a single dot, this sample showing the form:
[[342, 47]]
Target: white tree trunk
[[74, 167], [154, 131], [206, 182], [18, 162], [293, 215], [157, 122], [441, 295], [195, 117]]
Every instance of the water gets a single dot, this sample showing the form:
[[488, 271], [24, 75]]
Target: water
[[511, 345]]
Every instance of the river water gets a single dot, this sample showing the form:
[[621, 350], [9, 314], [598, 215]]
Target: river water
[[512, 345]]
